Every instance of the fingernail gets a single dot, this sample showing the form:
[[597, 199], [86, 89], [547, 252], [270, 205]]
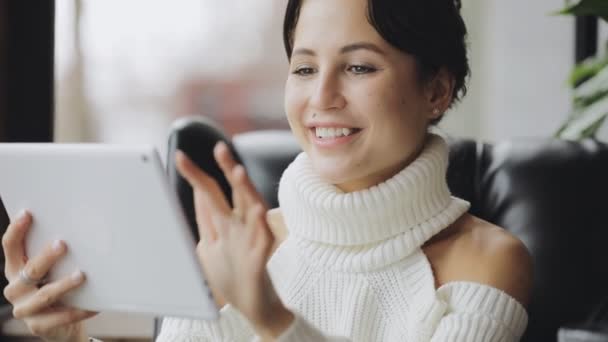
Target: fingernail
[[58, 245], [220, 146], [78, 276], [23, 216]]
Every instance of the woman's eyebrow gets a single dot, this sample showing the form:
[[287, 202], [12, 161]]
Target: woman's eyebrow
[[303, 51], [345, 49], [362, 46]]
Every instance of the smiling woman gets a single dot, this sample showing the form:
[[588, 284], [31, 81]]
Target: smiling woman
[[368, 243], [402, 61], [376, 248]]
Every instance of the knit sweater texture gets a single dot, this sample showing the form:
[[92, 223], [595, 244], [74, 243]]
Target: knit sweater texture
[[352, 267]]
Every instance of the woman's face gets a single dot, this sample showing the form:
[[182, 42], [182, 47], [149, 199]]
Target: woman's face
[[345, 79]]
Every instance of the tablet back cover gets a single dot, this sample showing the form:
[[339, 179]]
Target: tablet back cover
[[120, 219]]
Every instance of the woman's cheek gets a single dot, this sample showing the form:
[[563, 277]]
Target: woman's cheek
[[296, 124]]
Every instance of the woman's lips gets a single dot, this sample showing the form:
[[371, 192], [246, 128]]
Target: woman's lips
[[334, 141]]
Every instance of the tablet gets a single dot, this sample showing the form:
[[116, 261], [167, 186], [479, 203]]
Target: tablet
[[121, 220]]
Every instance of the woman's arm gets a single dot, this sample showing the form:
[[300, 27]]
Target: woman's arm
[[488, 304], [479, 313]]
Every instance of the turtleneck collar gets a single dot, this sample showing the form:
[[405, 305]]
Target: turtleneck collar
[[400, 214]]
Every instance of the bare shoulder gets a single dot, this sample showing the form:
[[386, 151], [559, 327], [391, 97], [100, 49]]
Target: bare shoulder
[[478, 251]]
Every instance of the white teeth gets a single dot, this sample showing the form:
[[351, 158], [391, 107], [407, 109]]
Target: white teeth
[[324, 132]]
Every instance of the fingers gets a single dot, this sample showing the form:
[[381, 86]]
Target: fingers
[[47, 295], [243, 190], [199, 180], [13, 244], [241, 199], [36, 269], [227, 163], [257, 225], [208, 196], [38, 266], [224, 157], [204, 223], [45, 323], [245, 185], [252, 222]]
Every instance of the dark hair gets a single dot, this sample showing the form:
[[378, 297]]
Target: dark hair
[[432, 31]]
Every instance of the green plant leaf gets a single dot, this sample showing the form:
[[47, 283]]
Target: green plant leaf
[[586, 70], [592, 90], [584, 122], [591, 131], [587, 7], [589, 81]]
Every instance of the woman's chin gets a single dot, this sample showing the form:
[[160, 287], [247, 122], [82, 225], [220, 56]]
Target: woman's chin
[[336, 168], [334, 175]]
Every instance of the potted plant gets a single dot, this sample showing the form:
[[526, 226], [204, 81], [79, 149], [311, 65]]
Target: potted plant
[[589, 81]]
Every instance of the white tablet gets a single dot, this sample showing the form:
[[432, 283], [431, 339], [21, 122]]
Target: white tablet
[[121, 220]]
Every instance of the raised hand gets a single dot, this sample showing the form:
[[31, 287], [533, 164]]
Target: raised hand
[[235, 242]]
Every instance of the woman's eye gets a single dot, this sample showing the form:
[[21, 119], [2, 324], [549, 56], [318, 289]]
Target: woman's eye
[[304, 71], [361, 69]]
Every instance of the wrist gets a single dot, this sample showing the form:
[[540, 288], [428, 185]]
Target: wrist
[[274, 322], [80, 337], [80, 333], [77, 333]]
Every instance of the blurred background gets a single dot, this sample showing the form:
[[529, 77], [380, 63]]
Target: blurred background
[[125, 70]]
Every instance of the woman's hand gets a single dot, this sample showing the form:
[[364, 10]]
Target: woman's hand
[[33, 301], [235, 242]]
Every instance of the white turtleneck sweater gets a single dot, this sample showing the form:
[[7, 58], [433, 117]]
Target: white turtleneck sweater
[[352, 267]]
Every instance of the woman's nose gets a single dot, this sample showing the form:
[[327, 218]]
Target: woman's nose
[[328, 93]]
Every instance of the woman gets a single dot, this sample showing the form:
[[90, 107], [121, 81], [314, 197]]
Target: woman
[[368, 244]]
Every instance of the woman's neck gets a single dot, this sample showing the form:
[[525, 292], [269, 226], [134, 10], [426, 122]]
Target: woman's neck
[[382, 175]]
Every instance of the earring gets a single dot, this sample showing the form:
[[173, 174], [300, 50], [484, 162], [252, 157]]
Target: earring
[[436, 111]]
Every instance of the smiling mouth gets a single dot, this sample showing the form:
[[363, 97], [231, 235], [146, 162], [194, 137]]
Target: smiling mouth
[[334, 133]]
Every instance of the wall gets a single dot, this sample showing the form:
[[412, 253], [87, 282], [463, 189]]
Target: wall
[[521, 57]]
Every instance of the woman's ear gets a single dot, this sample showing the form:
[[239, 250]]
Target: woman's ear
[[439, 93]]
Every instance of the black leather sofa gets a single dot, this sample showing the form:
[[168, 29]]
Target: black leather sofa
[[552, 194]]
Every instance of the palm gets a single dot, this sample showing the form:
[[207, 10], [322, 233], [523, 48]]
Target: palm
[[233, 258], [72, 330]]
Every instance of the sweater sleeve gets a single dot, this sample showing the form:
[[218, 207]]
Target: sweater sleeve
[[231, 326], [474, 313], [479, 313]]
